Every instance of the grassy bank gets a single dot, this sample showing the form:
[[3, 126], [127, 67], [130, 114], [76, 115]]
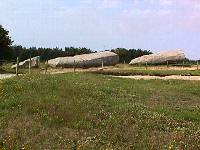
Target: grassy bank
[[88, 111]]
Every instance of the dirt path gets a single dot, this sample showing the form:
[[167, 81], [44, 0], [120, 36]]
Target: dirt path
[[175, 77]]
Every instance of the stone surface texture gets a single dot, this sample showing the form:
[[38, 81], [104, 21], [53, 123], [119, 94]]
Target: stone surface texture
[[174, 55], [86, 60]]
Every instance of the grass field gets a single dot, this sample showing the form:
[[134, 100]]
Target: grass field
[[89, 111]]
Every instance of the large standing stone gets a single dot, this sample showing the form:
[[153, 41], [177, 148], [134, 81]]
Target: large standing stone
[[175, 55], [86, 60]]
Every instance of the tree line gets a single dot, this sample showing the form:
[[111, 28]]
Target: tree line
[[125, 55], [46, 53], [10, 52]]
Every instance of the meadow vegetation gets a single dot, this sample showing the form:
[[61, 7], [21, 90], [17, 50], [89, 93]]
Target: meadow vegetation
[[161, 73], [162, 70], [91, 111]]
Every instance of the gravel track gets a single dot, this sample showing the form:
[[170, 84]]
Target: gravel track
[[172, 77]]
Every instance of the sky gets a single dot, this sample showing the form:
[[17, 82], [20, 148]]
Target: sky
[[156, 25]]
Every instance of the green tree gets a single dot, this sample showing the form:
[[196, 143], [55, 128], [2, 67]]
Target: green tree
[[72, 51], [122, 52], [5, 44], [126, 55]]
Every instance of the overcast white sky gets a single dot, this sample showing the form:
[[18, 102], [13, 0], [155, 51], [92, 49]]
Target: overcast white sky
[[104, 24]]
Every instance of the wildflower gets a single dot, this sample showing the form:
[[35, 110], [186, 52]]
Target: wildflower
[[170, 147], [23, 147]]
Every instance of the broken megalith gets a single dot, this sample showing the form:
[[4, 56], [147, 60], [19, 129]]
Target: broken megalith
[[175, 55], [86, 60]]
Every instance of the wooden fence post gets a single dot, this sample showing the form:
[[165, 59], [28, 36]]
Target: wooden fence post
[[38, 62], [74, 66], [17, 65], [102, 64], [46, 67], [167, 64], [29, 66], [197, 65], [146, 65]]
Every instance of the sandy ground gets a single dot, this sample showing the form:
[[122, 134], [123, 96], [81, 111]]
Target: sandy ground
[[172, 77], [5, 76]]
